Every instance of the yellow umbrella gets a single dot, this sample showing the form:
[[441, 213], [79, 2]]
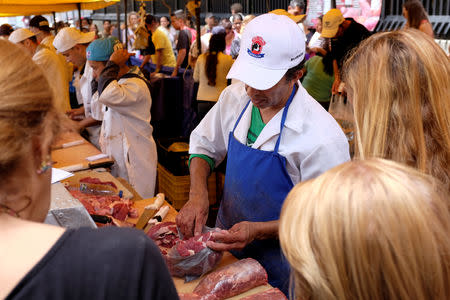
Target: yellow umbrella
[[10, 8]]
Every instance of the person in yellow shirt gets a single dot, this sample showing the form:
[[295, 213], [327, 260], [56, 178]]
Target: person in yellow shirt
[[163, 55]]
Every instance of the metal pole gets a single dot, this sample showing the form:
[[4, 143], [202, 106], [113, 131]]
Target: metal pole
[[119, 31], [79, 15], [126, 25], [197, 21]]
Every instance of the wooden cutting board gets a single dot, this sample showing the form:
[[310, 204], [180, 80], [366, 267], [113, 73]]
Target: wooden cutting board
[[103, 176]]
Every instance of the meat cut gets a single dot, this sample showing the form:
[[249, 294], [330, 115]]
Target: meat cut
[[165, 235], [229, 281], [270, 294], [184, 257], [106, 205], [192, 257]]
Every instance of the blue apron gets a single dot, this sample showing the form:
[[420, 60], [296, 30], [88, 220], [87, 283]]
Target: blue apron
[[256, 184]]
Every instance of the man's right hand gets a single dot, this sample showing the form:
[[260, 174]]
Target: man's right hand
[[192, 217], [76, 112]]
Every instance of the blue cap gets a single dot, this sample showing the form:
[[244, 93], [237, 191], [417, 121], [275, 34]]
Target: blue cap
[[101, 49]]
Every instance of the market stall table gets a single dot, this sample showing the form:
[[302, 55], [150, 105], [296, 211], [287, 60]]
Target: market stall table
[[70, 153]]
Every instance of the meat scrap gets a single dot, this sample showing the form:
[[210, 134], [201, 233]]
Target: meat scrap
[[229, 281], [192, 257], [165, 235], [270, 294], [106, 205]]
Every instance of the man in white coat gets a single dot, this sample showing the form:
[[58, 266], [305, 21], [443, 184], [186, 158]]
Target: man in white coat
[[275, 135], [41, 28], [54, 70], [126, 133], [72, 44]]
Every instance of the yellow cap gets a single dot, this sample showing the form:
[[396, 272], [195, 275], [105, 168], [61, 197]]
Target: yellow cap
[[330, 23], [282, 12]]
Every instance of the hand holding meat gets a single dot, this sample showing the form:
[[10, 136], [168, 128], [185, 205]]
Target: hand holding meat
[[120, 57], [192, 217], [237, 237]]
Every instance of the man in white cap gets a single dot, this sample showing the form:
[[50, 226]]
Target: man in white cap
[[274, 135], [52, 66], [73, 43], [345, 34]]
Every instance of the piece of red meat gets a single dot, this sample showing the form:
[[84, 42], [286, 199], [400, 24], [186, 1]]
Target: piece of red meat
[[164, 234], [97, 181], [120, 211], [231, 280], [270, 294]]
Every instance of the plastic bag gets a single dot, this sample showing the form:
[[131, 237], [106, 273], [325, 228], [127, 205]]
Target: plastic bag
[[191, 258]]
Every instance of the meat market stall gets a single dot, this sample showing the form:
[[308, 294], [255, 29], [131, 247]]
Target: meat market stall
[[92, 195]]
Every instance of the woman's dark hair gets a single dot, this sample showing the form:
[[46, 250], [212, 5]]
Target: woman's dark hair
[[216, 45], [327, 61], [416, 13]]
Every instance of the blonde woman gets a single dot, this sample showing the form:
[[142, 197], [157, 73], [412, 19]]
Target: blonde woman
[[40, 261], [399, 83], [372, 229]]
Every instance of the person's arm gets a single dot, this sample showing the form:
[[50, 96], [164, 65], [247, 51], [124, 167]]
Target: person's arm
[[242, 234], [74, 113], [427, 29], [180, 59], [192, 217], [145, 61], [159, 58], [337, 78], [197, 70], [88, 122]]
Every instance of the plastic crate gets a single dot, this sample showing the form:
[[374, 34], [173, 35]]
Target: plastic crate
[[176, 188], [175, 162]]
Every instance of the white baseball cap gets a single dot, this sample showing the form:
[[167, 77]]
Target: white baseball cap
[[20, 35], [68, 37], [271, 44]]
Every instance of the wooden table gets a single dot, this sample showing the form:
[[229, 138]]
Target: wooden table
[[74, 158]]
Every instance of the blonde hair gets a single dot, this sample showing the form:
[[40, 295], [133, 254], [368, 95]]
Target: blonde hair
[[26, 105], [399, 83], [372, 229]]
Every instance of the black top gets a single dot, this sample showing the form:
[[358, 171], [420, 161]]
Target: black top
[[109, 263], [184, 42], [351, 37]]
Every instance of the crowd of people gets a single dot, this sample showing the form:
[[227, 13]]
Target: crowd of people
[[323, 224]]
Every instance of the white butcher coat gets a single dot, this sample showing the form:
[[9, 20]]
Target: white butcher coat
[[312, 142], [126, 133], [56, 74], [82, 84]]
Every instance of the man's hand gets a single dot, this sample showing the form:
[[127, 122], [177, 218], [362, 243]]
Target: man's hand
[[237, 237], [192, 217], [120, 57], [76, 112]]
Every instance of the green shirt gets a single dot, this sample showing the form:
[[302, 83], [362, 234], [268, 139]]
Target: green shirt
[[316, 82], [256, 126]]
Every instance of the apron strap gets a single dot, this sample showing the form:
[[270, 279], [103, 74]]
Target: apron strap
[[240, 116], [283, 119]]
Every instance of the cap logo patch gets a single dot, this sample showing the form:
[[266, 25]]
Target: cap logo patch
[[257, 47], [88, 54], [327, 24]]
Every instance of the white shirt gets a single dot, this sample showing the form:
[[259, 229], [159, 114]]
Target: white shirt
[[126, 133], [56, 74], [312, 142], [82, 84]]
